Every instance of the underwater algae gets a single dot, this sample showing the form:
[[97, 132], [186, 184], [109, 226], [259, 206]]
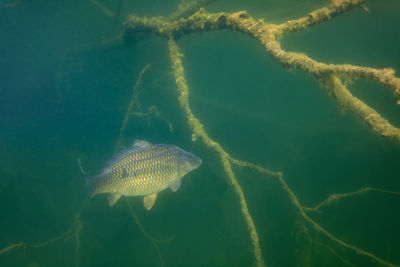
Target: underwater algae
[[190, 19]]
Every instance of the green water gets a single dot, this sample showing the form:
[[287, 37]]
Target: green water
[[62, 98]]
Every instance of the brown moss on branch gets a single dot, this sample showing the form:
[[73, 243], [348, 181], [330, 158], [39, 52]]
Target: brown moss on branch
[[268, 34], [198, 132], [335, 7], [200, 21], [347, 101]]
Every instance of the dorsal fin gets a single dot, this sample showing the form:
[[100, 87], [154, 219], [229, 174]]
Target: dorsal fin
[[139, 144]]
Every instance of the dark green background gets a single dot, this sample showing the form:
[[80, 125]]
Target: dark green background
[[63, 97]]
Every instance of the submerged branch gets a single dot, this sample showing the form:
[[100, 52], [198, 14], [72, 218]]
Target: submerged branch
[[268, 34], [198, 132], [134, 100], [73, 231], [103, 9], [367, 114], [335, 8], [337, 197], [310, 221]]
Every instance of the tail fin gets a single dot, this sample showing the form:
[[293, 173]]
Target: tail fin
[[85, 177]]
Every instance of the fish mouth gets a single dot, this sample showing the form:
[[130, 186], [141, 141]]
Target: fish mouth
[[189, 160]]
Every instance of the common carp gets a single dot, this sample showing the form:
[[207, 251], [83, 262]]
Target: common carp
[[142, 170]]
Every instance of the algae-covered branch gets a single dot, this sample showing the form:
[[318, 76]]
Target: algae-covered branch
[[268, 35]]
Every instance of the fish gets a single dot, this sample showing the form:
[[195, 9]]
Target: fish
[[144, 169]]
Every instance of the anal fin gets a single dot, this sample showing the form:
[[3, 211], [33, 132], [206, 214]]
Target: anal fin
[[149, 200], [113, 198]]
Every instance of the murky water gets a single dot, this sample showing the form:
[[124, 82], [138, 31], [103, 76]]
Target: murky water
[[64, 95]]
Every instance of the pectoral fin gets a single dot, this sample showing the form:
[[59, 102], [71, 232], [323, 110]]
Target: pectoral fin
[[113, 198], [175, 185], [149, 200]]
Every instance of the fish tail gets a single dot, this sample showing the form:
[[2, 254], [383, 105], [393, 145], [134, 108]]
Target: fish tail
[[85, 177]]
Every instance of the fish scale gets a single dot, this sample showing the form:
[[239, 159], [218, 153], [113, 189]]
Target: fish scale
[[143, 170], [147, 171]]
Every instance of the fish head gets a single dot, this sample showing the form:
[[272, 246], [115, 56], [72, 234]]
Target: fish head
[[187, 162]]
